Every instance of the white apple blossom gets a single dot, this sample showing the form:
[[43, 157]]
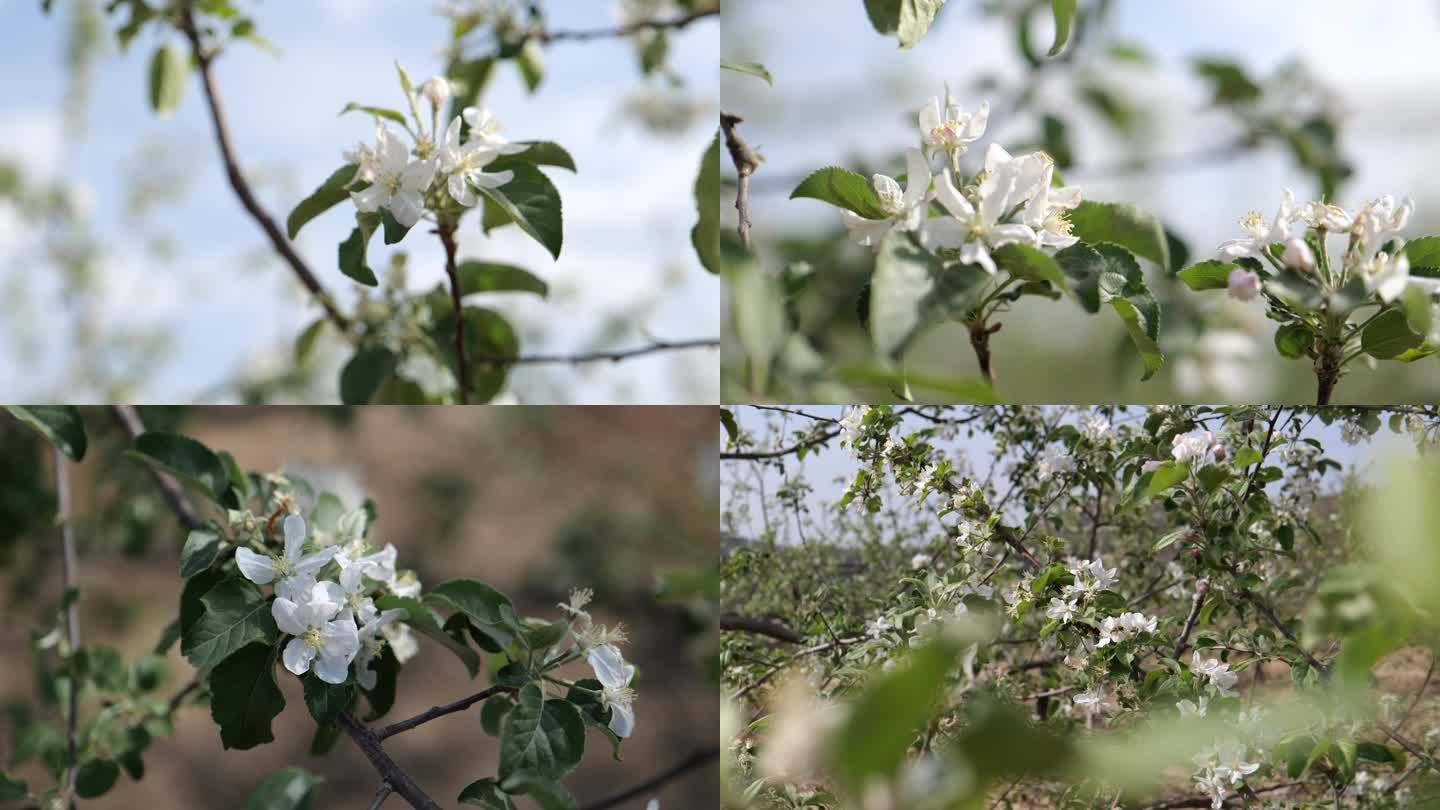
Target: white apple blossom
[[1189, 708], [905, 209], [1188, 447], [371, 647], [436, 90], [850, 426], [1138, 623], [1298, 256], [1214, 785], [293, 571], [1389, 276], [1216, 672], [1260, 233], [1111, 632], [1321, 215], [973, 230], [356, 595], [396, 182], [614, 675], [950, 130], [1052, 462], [1062, 609], [919, 561], [402, 641], [1096, 701], [1231, 763], [325, 635], [1095, 428], [463, 165], [1380, 218]]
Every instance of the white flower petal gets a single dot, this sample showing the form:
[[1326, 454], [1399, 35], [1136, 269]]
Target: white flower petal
[[331, 669], [286, 613], [257, 568], [622, 720], [295, 532], [609, 665], [298, 656]]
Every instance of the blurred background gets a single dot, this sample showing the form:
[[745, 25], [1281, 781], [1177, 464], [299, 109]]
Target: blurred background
[[1196, 111], [534, 501], [129, 271]]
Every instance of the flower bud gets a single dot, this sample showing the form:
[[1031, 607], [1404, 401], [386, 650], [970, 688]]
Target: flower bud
[[1298, 256], [1243, 285], [436, 90], [1219, 452]]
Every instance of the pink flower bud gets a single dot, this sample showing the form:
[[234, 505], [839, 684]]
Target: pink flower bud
[[1298, 256], [1243, 285]]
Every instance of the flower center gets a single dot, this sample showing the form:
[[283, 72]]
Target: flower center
[[1253, 222], [618, 696], [946, 134], [282, 566], [312, 638], [891, 200]]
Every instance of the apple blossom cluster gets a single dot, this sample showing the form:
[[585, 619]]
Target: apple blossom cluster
[[432, 171], [1012, 200], [1300, 228], [325, 590]]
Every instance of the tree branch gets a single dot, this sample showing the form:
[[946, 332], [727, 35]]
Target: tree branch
[[393, 775], [613, 356], [746, 162], [741, 455], [462, 364], [381, 795], [439, 711], [68, 570], [1202, 587], [584, 35], [762, 627], [129, 420], [695, 760], [278, 240]]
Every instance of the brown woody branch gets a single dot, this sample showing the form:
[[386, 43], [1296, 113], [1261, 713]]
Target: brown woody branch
[[440, 711], [584, 35], [694, 760], [203, 61], [746, 162], [760, 627], [756, 455], [446, 230], [393, 774]]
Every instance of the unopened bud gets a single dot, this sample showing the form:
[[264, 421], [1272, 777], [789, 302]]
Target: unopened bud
[[1219, 452], [436, 90], [1298, 256], [1243, 285]]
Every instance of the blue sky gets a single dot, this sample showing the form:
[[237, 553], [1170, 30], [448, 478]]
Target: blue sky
[[230, 306], [843, 92]]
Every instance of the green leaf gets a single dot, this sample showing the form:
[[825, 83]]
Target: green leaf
[[169, 68], [387, 670], [363, 375], [955, 389], [488, 277], [1293, 340], [727, 420], [492, 714], [912, 289], [61, 424], [351, 253], [653, 54], [1125, 225], [378, 112], [1211, 275], [95, 777], [424, 620], [186, 459], [884, 721], [1229, 80], [1167, 475], [327, 700], [486, 793], [907, 20], [489, 340], [1105, 273], [545, 738], [487, 609], [531, 202], [1064, 23], [394, 231], [758, 307], [324, 740], [235, 614], [537, 153], [1389, 336], [752, 68], [531, 62], [705, 236], [12, 790], [1170, 539], [330, 193], [244, 698], [550, 795], [843, 188], [1423, 252], [286, 789], [1033, 264], [467, 83], [199, 551]]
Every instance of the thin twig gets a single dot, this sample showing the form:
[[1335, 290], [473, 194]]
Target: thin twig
[[694, 760], [746, 162], [396, 777], [770, 673], [756, 455], [1202, 587], [68, 572], [613, 356], [381, 795], [462, 363], [129, 420], [439, 711], [584, 35], [203, 62]]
